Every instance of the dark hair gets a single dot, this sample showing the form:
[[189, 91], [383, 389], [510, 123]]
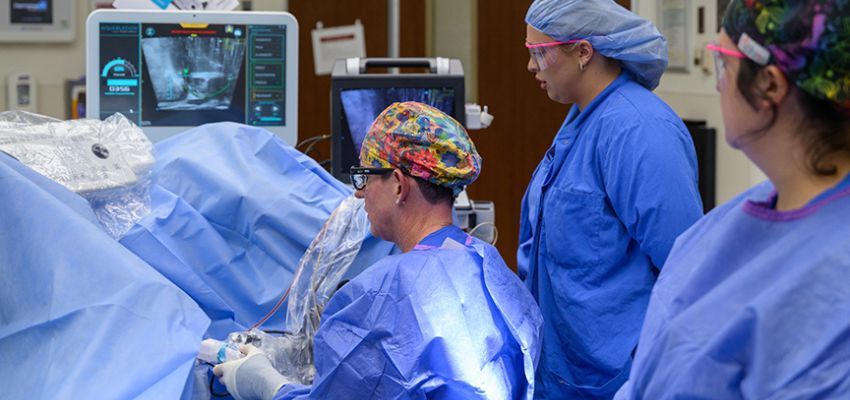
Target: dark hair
[[826, 126], [432, 193], [435, 194]]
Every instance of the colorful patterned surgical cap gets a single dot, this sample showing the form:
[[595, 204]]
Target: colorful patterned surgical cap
[[809, 40], [423, 142]]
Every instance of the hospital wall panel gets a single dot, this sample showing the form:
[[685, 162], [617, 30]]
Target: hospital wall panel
[[314, 91]]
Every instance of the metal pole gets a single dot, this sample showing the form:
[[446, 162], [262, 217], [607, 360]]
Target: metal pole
[[393, 30]]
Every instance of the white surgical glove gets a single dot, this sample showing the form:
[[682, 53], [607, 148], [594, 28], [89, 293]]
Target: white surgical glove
[[251, 377]]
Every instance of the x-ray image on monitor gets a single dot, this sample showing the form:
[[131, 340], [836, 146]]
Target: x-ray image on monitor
[[362, 106], [194, 73], [162, 75], [170, 71]]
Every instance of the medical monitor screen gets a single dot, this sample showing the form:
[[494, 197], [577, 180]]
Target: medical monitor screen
[[362, 106], [31, 11], [192, 74]]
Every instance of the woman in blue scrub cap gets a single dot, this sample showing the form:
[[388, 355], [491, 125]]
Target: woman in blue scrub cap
[[615, 189], [753, 302]]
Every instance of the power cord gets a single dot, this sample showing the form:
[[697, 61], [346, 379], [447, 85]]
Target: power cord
[[312, 139], [212, 391], [485, 223], [311, 142]]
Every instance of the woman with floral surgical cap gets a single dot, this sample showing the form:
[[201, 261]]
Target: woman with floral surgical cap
[[754, 300], [615, 189], [446, 319]]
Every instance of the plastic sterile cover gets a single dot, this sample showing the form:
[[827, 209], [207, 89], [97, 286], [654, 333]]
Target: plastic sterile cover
[[83, 155], [316, 280], [107, 162]]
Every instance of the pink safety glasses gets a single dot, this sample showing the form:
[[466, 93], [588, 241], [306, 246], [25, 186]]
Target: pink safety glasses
[[719, 64], [544, 54]]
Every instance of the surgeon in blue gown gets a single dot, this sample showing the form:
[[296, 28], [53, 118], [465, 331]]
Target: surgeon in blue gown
[[754, 299], [614, 190], [446, 319]]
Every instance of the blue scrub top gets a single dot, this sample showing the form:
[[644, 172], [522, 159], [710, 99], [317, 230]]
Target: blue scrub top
[[752, 303], [449, 320], [603, 208]]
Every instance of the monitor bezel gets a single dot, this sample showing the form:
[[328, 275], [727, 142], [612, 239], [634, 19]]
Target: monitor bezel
[[342, 150], [288, 132], [62, 29]]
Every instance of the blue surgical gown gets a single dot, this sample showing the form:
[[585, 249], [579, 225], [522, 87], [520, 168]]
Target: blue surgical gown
[[598, 219], [753, 303], [449, 322], [81, 317]]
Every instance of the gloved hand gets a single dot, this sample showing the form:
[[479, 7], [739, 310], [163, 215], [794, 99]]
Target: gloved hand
[[251, 377]]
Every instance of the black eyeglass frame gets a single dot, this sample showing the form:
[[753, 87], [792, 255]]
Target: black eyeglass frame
[[360, 175]]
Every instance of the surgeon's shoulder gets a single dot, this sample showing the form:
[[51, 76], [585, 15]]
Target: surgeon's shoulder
[[393, 267], [488, 248], [372, 281]]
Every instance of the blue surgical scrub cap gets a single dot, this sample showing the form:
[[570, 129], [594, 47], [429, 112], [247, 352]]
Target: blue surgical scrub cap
[[612, 30]]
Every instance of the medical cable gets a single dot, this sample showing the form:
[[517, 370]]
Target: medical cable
[[311, 139], [282, 298], [213, 393], [313, 143], [275, 308], [495, 231]]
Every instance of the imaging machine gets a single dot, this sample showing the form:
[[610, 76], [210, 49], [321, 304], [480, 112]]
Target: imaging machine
[[168, 71]]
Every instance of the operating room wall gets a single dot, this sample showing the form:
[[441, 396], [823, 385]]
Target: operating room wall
[[49, 64], [692, 95], [454, 27], [52, 63]]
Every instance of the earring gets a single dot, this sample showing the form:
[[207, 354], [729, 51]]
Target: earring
[[581, 66]]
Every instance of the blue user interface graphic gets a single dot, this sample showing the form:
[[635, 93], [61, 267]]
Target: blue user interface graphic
[[191, 74], [31, 12]]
